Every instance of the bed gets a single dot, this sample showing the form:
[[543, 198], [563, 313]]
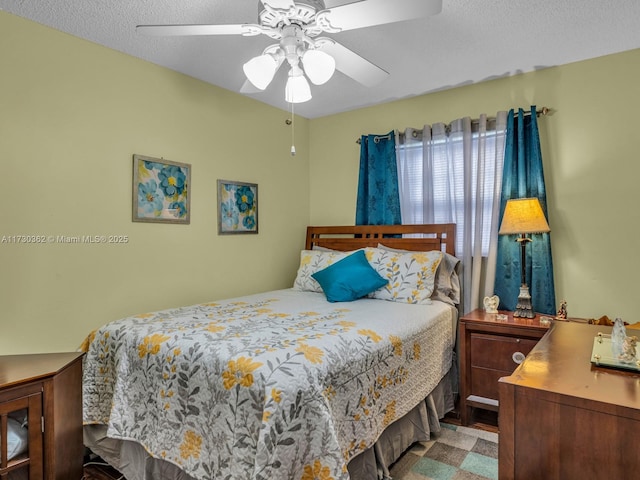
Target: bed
[[288, 384]]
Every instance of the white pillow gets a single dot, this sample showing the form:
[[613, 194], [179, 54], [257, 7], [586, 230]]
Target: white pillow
[[411, 275], [17, 438], [323, 249]]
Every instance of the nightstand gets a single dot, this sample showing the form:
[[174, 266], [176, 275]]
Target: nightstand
[[491, 348]]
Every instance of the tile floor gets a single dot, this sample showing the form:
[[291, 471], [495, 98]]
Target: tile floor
[[456, 453]]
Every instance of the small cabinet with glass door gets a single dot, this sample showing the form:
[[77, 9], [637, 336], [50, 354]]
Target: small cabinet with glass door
[[41, 417], [21, 435]]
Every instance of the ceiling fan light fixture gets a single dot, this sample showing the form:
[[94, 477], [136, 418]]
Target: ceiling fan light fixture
[[318, 65], [295, 24], [260, 70], [297, 89]]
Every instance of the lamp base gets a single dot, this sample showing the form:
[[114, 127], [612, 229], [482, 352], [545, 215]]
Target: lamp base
[[523, 308]]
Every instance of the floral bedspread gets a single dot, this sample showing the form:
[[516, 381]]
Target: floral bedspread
[[281, 385]]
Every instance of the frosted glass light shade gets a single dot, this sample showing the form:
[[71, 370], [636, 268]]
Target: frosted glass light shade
[[319, 66], [260, 70], [297, 89], [523, 215]]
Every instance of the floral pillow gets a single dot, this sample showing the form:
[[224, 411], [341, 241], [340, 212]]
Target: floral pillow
[[446, 287], [411, 275], [312, 261]]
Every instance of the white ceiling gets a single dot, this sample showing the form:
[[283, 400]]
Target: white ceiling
[[470, 41]]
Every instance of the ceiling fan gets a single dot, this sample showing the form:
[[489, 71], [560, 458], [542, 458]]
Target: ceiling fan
[[297, 26]]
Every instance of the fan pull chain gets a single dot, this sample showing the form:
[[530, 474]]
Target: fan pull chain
[[293, 146]]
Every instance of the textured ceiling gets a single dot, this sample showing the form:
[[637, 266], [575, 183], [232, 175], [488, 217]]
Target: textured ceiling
[[470, 41]]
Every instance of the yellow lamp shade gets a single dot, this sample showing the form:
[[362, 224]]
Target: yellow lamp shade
[[523, 215]]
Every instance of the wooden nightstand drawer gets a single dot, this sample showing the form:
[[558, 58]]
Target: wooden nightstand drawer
[[484, 383], [498, 352]]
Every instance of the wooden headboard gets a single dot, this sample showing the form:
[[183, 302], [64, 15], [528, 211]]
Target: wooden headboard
[[437, 237]]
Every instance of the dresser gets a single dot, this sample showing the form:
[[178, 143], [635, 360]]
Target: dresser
[[46, 391], [562, 418], [491, 346]]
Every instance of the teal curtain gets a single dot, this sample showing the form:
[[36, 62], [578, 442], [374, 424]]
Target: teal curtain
[[523, 177], [378, 201]]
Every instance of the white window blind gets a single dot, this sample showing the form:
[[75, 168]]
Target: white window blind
[[453, 178]]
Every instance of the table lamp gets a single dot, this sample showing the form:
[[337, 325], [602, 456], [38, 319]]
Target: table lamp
[[523, 216]]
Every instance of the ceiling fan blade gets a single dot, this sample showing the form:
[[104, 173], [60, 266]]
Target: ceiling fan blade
[[178, 30], [352, 64], [280, 4], [369, 13]]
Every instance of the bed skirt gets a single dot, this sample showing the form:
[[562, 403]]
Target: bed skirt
[[415, 426], [132, 460]]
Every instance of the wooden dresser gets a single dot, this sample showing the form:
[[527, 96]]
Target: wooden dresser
[[561, 418], [47, 389], [490, 348]]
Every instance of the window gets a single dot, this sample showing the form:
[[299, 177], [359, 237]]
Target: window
[[453, 177]]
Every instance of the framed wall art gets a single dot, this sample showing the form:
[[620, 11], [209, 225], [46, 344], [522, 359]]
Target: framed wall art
[[237, 207], [161, 190]]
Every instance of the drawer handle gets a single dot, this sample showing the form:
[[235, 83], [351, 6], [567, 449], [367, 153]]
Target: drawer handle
[[518, 357]]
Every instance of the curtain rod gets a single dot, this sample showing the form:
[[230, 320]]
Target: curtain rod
[[544, 112]]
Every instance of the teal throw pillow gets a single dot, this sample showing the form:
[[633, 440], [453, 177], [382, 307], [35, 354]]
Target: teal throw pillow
[[349, 279]]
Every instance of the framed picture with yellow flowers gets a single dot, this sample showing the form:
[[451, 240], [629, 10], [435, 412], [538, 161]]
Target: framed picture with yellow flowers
[[161, 190], [237, 207]]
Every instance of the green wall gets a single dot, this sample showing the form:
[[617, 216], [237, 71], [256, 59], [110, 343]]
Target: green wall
[[72, 114], [591, 163]]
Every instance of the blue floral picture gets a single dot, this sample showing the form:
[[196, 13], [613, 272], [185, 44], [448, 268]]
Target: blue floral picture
[[237, 207], [161, 190]]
